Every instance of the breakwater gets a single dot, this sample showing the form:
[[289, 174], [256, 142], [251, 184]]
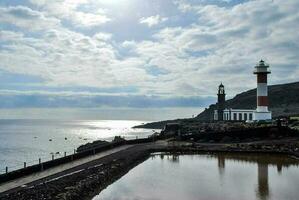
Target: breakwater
[[27, 170], [82, 182]]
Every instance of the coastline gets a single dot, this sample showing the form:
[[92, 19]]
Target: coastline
[[92, 177]]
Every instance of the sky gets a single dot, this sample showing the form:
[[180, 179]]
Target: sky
[[141, 53]]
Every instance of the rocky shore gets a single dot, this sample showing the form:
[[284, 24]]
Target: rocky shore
[[86, 181]]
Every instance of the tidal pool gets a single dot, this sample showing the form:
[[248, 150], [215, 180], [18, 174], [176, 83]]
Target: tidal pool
[[209, 177]]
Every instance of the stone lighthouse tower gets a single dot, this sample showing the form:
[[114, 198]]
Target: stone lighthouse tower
[[262, 112], [221, 102]]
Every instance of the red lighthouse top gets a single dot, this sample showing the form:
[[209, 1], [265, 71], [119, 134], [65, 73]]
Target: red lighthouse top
[[262, 68]]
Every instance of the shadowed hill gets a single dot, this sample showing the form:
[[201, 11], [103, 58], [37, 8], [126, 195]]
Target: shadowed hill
[[283, 101]]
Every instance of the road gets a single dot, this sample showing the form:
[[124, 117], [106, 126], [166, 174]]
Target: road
[[20, 182]]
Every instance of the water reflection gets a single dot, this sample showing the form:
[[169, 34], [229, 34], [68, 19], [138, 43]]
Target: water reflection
[[262, 190], [174, 158], [263, 185], [240, 176], [221, 164]]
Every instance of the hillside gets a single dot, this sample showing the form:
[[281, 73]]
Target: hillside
[[283, 101]]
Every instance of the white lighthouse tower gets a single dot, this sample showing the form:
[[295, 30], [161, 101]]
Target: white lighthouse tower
[[262, 112]]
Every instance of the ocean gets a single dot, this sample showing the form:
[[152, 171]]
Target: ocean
[[27, 134], [27, 140]]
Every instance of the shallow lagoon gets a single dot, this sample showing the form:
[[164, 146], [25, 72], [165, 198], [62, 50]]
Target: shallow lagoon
[[217, 176]]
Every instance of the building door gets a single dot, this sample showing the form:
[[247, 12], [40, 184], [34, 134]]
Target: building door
[[240, 117], [245, 116]]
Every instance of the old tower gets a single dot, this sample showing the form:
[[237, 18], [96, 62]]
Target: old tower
[[221, 102]]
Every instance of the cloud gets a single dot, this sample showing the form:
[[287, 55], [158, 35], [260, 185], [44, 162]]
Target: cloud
[[29, 99], [58, 56], [214, 43], [10, 35], [183, 5], [224, 45], [88, 19], [27, 18], [152, 20], [102, 36], [69, 10]]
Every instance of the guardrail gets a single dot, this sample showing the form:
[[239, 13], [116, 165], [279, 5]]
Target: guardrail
[[39, 165], [26, 164]]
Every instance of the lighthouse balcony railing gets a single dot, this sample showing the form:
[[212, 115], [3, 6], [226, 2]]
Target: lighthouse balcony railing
[[261, 70]]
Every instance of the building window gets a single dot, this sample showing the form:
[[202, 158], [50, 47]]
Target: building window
[[240, 117], [245, 116], [250, 116], [235, 116]]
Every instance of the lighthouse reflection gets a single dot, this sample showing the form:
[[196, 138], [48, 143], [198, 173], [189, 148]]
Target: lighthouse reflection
[[263, 162], [221, 164], [263, 185]]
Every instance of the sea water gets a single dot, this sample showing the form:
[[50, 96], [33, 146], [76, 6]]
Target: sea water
[[27, 140]]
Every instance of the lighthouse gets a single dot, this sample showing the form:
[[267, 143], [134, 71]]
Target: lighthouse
[[221, 102], [223, 113], [262, 112]]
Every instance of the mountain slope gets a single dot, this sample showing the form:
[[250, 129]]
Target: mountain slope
[[283, 101]]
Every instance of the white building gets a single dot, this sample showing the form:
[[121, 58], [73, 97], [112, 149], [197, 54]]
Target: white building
[[235, 114]]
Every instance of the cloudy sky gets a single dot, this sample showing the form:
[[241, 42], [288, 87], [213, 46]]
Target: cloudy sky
[[141, 53]]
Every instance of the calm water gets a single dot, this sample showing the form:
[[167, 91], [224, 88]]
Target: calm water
[[209, 177], [28, 140]]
